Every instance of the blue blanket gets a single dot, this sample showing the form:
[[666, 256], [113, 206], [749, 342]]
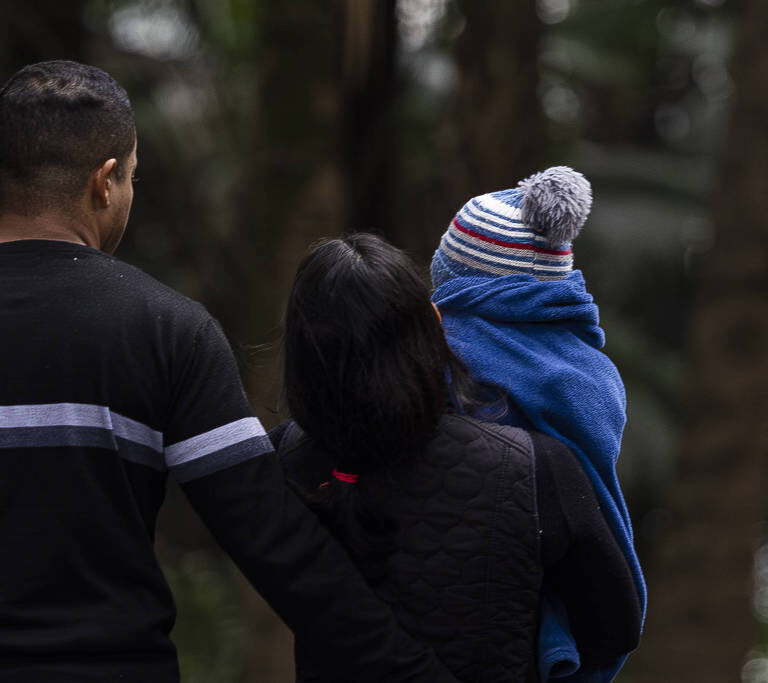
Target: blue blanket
[[538, 342]]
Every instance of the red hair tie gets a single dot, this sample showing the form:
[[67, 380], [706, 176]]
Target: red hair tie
[[346, 478]]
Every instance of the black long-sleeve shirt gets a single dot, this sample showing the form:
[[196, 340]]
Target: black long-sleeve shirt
[[110, 381]]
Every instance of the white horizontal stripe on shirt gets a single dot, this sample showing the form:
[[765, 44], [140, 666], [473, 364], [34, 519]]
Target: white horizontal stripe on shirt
[[213, 440], [80, 415]]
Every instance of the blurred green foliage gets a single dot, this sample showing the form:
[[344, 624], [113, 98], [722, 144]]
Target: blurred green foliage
[[209, 629]]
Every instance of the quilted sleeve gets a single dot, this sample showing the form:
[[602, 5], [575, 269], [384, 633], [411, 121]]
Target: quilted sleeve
[[582, 561]]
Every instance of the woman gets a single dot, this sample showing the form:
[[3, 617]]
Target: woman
[[454, 522]]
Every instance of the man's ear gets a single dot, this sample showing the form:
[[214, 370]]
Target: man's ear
[[100, 184]]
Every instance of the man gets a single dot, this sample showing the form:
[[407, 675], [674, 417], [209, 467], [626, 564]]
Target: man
[[108, 382]]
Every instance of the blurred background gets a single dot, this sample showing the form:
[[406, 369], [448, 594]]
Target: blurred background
[[266, 125]]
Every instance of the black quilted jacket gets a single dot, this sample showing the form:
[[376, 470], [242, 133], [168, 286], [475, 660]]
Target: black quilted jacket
[[466, 570]]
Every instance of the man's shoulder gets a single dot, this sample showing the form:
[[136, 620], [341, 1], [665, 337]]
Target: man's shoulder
[[130, 285]]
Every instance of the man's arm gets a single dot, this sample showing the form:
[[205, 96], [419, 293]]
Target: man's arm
[[226, 466]]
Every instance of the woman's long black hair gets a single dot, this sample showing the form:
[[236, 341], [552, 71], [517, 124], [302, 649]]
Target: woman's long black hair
[[366, 367]]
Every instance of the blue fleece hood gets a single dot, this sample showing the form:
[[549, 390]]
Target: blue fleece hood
[[539, 342], [521, 298]]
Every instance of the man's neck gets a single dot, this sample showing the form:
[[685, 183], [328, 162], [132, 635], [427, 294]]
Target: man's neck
[[47, 226]]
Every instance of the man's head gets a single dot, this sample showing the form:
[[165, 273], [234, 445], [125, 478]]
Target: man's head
[[67, 144]]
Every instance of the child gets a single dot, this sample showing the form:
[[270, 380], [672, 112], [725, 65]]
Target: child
[[522, 321]]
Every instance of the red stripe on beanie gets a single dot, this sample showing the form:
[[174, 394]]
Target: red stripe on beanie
[[511, 245]]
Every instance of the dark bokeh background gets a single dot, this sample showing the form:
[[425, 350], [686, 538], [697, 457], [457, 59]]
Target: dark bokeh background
[[266, 125]]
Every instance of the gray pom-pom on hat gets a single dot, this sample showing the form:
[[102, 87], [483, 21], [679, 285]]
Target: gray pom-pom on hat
[[556, 203]]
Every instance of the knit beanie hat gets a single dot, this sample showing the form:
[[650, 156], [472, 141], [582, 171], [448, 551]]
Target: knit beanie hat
[[527, 229]]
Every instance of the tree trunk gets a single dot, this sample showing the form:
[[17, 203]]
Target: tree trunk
[[325, 69], [368, 133], [324, 130], [493, 133], [25, 38], [700, 624]]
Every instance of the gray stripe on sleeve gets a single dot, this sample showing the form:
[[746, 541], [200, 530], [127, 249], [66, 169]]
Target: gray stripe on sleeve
[[227, 457], [213, 441]]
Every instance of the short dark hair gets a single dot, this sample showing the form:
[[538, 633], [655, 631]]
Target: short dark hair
[[365, 354], [59, 120]]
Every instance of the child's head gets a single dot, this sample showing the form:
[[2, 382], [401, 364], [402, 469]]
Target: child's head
[[524, 230], [365, 355]]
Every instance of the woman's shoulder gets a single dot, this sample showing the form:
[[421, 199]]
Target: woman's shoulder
[[466, 429], [286, 434], [484, 444], [540, 446], [459, 441], [466, 448], [302, 461]]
